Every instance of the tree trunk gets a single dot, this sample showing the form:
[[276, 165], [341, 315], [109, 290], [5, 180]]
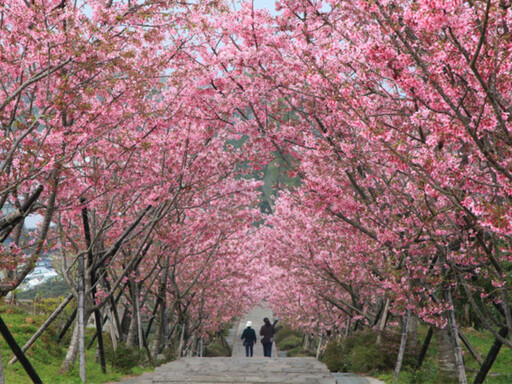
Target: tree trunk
[[306, 342], [199, 347], [424, 348], [125, 323], [382, 322], [167, 330], [159, 335], [92, 269], [403, 344], [189, 350], [182, 341], [72, 352], [131, 339], [454, 333], [115, 324], [66, 326], [112, 327], [445, 356], [412, 337], [81, 318], [139, 320], [77, 345], [319, 347], [467, 316], [347, 329], [99, 334]]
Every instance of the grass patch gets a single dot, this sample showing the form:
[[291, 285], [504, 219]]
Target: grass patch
[[501, 371], [46, 355]]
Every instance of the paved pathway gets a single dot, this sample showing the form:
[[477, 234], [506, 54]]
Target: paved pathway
[[256, 315], [243, 370]]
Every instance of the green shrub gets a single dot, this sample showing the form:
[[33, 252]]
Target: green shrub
[[359, 352], [370, 358], [218, 348], [124, 358], [167, 355], [334, 357], [283, 332], [292, 341], [300, 352]]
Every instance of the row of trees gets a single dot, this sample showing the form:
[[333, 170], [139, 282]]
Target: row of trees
[[397, 117], [141, 198], [129, 125]]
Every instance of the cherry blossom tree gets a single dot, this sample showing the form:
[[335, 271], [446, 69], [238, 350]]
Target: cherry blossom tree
[[398, 115], [145, 116]]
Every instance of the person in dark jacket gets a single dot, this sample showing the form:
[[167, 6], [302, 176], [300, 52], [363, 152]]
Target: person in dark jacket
[[267, 336], [249, 338]]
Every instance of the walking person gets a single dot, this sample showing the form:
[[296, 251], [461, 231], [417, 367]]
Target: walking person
[[267, 336], [249, 338]]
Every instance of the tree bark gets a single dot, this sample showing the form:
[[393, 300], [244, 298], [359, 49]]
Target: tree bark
[[306, 342], [160, 310], [113, 330], [424, 348], [200, 347], [140, 331], [412, 337], [72, 351], [454, 333], [92, 272], [319, 347], [81, 317], [131, 339], [382, 322], [403, 344], [159, 323], [182, 341], [445, 356], [66, 326]]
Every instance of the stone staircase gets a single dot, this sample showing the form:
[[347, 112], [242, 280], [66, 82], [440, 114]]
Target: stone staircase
[[247, 370], [240, 370]]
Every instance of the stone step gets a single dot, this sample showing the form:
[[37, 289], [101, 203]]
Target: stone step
[[243, 370], [239, 369]]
